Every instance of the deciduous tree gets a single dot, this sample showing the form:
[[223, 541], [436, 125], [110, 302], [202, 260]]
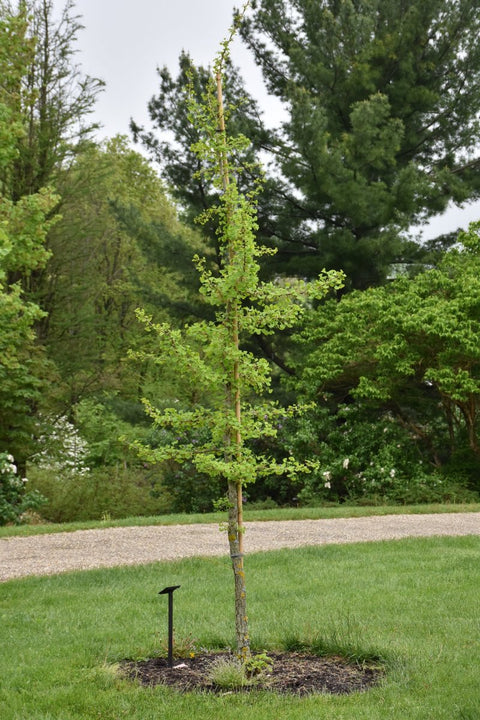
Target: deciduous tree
[[56, 98], [117, 226], [211, 355], [23, 227], [411, 348]]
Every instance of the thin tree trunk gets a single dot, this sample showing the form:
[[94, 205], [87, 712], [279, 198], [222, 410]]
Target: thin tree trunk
[[236, 555], [233, 442]]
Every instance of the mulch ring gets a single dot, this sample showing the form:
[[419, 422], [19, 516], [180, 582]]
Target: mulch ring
[[294, 673]]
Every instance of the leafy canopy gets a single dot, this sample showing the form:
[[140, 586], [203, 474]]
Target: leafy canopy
[[388, 344], [23, 227], [203, 352]]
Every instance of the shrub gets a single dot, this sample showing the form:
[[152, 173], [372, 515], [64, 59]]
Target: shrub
[[61, 449], [190, 490], [114, 492], [367, 457], [14, 500], [463, 467]]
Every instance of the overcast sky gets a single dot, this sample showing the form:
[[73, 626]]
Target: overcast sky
[[124, 41]]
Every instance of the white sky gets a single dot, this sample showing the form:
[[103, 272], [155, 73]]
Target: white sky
[[124, 42]]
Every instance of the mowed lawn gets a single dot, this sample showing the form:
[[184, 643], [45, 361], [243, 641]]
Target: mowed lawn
[[413, 603]]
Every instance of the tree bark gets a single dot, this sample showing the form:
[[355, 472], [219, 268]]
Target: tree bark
[[236, 555], [234, 441]]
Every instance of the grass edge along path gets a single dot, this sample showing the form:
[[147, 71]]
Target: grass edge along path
[[307, 513], [413, 602]]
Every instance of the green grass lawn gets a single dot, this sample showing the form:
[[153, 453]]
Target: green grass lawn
[[413, 602], [313, 513]]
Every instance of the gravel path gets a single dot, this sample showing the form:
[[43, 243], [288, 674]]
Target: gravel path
[[85, 549]]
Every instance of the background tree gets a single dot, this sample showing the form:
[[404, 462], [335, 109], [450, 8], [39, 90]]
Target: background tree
[[48, 101], [170, 143], [57, 98], [103, 265], [23, 228], [408, 350], [383, 122], [382, 131]]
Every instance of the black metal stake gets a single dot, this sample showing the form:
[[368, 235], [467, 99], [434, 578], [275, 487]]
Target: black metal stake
[[170, 590]]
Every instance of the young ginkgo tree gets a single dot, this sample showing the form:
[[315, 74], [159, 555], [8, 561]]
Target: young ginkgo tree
[[211, 355]]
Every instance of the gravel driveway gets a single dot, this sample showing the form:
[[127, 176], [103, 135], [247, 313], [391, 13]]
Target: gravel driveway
[[85, 549]]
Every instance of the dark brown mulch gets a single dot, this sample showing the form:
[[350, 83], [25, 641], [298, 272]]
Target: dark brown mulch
[[295, 673]]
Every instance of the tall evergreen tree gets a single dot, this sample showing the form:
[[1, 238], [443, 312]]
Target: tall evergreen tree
[[384, 121], [383, 107]]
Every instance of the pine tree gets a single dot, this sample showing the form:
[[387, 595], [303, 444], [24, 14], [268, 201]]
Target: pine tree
[[383, 122], [382, 130]]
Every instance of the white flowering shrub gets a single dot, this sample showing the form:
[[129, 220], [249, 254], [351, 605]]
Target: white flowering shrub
[[62, 450], [14, 499]]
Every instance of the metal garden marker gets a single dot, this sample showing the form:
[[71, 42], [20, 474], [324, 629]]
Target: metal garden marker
[[169, 591]]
